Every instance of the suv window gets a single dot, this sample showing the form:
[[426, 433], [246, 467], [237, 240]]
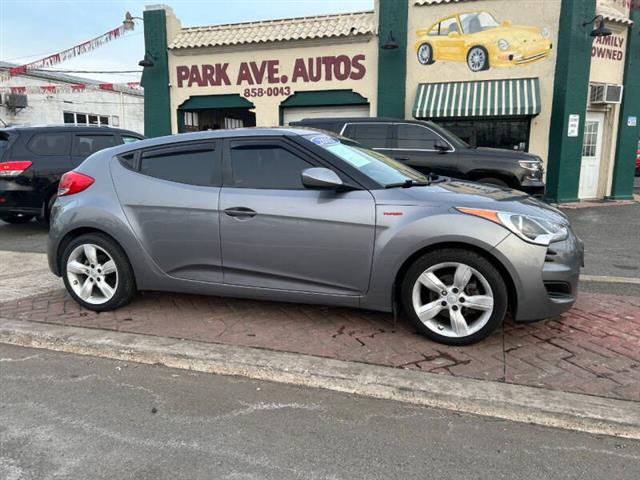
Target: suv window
[[415, 137], [129, 139], [85, 145], [373, 135], [267, 167], [49, 144], [193, 165]]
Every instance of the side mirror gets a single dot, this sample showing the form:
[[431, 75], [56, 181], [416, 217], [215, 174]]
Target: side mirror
[[453, 34], [321, 178], [441, 146]]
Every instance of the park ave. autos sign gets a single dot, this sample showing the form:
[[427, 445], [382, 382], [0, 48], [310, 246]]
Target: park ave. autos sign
[[270, 73]]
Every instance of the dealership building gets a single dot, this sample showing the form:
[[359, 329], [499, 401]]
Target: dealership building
[[531, 75]]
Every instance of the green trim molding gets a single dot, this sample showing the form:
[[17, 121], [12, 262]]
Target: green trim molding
[[392, 64], [570, 97], [155, 79], [628, 135]]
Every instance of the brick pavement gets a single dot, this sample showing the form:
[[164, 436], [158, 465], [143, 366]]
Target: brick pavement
[[593, 349]]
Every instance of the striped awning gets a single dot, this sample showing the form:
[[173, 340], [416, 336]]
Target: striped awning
[[488, 98]]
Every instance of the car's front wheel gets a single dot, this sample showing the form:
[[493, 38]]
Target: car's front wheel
[[425, 54], [454, 296], [97, 273], [478, 59]]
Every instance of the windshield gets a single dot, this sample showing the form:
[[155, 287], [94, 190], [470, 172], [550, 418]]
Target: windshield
[[477, 22], [380, 168]]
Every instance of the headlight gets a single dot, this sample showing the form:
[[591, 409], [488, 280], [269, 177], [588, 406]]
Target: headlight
[[503, 44], [533, 165], [544, 32], [531, 229]]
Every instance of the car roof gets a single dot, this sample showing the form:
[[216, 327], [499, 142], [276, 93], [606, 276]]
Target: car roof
[[67, 127], [357, 119]]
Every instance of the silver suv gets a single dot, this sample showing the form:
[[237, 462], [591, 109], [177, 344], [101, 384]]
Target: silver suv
[[303, 216]]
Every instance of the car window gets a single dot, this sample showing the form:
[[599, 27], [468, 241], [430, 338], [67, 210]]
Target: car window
[[193, 167], [266, 167], [85, 145], [4, 143], [49, 144], [435, 31], [373, 135], [129, 139], [415, 137], [448, 26], [477, 22]]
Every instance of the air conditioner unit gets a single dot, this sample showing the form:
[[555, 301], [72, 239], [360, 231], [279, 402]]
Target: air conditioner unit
[[605, 93], [15, 100]]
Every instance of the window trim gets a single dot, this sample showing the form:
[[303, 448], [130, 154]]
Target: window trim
[[278, 142]]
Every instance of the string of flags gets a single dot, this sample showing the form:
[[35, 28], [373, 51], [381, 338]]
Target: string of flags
[[71, 88], [64, 55]]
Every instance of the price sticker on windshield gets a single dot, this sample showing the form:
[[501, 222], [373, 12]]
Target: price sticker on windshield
[[324, 140]]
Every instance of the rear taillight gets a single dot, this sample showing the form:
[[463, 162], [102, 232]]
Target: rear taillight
[[13, 168], [73, 182]]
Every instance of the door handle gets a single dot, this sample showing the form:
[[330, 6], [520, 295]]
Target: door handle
[[242, 212]]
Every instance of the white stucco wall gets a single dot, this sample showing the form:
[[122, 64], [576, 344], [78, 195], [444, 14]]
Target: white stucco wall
[[49, 108]]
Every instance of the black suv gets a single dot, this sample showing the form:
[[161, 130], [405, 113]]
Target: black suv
[[430, 148], [32, 160]]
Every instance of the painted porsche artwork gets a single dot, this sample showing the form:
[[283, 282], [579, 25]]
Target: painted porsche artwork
[[479, 40]]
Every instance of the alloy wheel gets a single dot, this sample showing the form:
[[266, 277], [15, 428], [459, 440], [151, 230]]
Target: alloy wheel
[[92, 274], [477, 59], [453, 299], [424, 54]]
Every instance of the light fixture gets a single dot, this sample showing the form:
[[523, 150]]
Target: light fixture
[[128, 22], [601, 30], [391, 43], [147, 61]]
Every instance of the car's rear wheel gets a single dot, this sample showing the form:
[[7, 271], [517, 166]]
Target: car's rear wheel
[[478, 59], [16, 218], [97, 273], [454, 296], [425, 54]]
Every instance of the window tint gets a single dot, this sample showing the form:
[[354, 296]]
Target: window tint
[[194, 167], [269, 167], [415, 137], [373, 135], [85, 145], [49, 144]]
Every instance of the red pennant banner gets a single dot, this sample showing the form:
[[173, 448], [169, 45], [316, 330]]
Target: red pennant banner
[[48, 89], [106, 86], [79, 87], [18, 89]]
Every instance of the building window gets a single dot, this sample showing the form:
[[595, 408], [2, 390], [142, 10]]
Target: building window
[[85, 119], [191, 119], [509, 133]]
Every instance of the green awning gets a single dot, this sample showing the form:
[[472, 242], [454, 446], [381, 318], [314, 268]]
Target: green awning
[[488, 98], [211, 102]]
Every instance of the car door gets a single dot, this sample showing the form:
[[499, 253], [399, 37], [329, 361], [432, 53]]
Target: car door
[[85, 144], [170, 197], [415, 145], [277, 234], [375, 135], [451, 43]]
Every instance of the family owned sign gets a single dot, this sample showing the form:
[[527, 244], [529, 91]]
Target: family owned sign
[[269, 72]]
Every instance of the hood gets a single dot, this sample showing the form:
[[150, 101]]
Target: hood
[[498, 153], [456, 193], [514, 33]]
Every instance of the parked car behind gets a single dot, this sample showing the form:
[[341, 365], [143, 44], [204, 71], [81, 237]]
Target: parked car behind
[[32, 160], [430, 148], [300, 215]]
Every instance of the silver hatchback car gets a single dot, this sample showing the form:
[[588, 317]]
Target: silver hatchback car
[[304, 216]]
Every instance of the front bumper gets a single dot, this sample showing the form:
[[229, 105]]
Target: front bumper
[[545, 278], [532, 186]]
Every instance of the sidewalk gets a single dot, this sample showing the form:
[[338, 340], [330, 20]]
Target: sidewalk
[[594, 349]]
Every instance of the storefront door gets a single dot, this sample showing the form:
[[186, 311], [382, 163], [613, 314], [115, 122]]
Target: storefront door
[[591, 155]]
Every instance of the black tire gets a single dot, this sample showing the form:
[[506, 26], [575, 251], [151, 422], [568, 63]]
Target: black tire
[[484, 65], [16, 218], [473, 260], [427, 58], [493, 181], [126, 286]]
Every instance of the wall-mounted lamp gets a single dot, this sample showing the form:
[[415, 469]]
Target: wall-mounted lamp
[[147, 61], [128, 22], [601, 30], [391, 43]]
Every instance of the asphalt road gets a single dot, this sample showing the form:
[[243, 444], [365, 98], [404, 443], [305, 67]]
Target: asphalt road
[[74, 417]]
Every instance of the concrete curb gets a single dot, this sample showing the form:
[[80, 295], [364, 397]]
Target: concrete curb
[[511, 402]]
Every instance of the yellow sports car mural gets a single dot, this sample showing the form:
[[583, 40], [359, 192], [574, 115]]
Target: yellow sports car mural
[[478, 39]]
